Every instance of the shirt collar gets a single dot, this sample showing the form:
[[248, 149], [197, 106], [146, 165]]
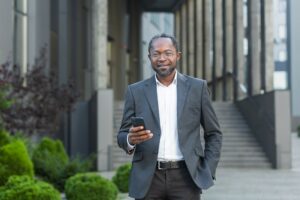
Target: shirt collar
[[173, 82]]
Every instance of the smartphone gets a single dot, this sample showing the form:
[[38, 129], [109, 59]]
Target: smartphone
[[138, 121]]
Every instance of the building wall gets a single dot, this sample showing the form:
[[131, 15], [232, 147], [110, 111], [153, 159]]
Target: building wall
[[295, 61], [6, 30], [24, 32], [280, 44]]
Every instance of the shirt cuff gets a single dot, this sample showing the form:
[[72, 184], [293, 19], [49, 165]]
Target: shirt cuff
[[130, 147]]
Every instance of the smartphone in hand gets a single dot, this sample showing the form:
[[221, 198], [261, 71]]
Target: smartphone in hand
[[138, 121]]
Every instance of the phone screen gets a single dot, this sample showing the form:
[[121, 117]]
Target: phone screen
[[138, 121]]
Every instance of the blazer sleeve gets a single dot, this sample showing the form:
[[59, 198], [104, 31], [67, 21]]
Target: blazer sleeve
[[129, 111], [212, 132]]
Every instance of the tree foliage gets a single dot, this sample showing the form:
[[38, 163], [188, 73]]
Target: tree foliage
[[32, 102]]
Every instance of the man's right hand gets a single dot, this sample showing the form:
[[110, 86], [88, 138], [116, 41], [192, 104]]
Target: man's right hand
[[138, 135]]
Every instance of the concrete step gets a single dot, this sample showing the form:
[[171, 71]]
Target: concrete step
[[249, 148], [240, 164], [245, 154], [240, 148]]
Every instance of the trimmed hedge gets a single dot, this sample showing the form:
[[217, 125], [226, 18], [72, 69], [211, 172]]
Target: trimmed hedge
[[57, 167], [14, 160], [4, 137], [26, 188], [90, 186], [50, 159], [121, 178]]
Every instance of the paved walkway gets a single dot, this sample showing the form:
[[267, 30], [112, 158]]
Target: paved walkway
[[256, 184]]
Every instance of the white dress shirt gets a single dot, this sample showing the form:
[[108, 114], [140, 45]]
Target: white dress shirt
[[169, 149]]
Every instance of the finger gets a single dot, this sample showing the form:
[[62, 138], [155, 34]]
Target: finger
[[140, 133], [141, 138], [136, 129]]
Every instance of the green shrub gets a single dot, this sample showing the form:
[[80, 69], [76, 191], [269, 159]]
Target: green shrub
[[57, 167], [4, 137], [50, 159], [73, 167], [26, 188], [121, 178], [78, 165], [90, 186], [14, 160], [29, 141]]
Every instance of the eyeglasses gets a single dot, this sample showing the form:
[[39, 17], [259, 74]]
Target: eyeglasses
[[167, 54]]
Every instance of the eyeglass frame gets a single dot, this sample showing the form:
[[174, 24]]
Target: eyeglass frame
[[166, 54]]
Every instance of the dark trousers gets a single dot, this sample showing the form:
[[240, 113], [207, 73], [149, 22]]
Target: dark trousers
[[173, 184]]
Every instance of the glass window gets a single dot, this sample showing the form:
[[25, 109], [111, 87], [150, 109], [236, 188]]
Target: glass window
[[282, 55], [280, 80], [282, 32], [155, 20], [282, 6]]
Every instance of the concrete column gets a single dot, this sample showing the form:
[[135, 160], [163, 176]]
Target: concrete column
[[254, 48], [177, 26], [207, 37], [105, 107], [135, 38], [38, 29], [178, 33], [199, 38], [184, 46], [294, 49], [63, 55], [283, 130], [191, 40], [269, 59], [20, 32], [217, 54], [99, 43], [228, 48], [238, 51], [118, 23]]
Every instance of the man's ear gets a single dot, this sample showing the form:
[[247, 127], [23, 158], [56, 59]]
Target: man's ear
[[178, 56]]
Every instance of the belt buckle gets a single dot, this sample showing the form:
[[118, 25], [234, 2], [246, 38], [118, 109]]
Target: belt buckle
[[158, 166]]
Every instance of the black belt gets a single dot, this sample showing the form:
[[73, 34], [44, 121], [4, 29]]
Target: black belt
[[163, 165]]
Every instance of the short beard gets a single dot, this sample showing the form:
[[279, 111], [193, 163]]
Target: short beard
[[164, 73]]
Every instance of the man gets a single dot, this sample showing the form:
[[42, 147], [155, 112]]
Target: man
[[168, 158]]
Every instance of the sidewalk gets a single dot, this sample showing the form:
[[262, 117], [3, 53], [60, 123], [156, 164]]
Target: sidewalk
[[254, 184]]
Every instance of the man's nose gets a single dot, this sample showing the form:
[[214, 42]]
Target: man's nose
[[162, 56]]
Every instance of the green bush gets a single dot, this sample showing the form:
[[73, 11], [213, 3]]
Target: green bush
[[29, 142], [14, 160], [78, 165], [4, 137], [57, 167], [50, 159], [121, 178], [90, 186], [26, 188]]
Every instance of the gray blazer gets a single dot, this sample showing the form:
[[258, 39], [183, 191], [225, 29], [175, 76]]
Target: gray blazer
[[194, 109]]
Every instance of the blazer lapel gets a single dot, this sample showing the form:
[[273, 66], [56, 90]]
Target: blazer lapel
[[151, 94], [182, 90]]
